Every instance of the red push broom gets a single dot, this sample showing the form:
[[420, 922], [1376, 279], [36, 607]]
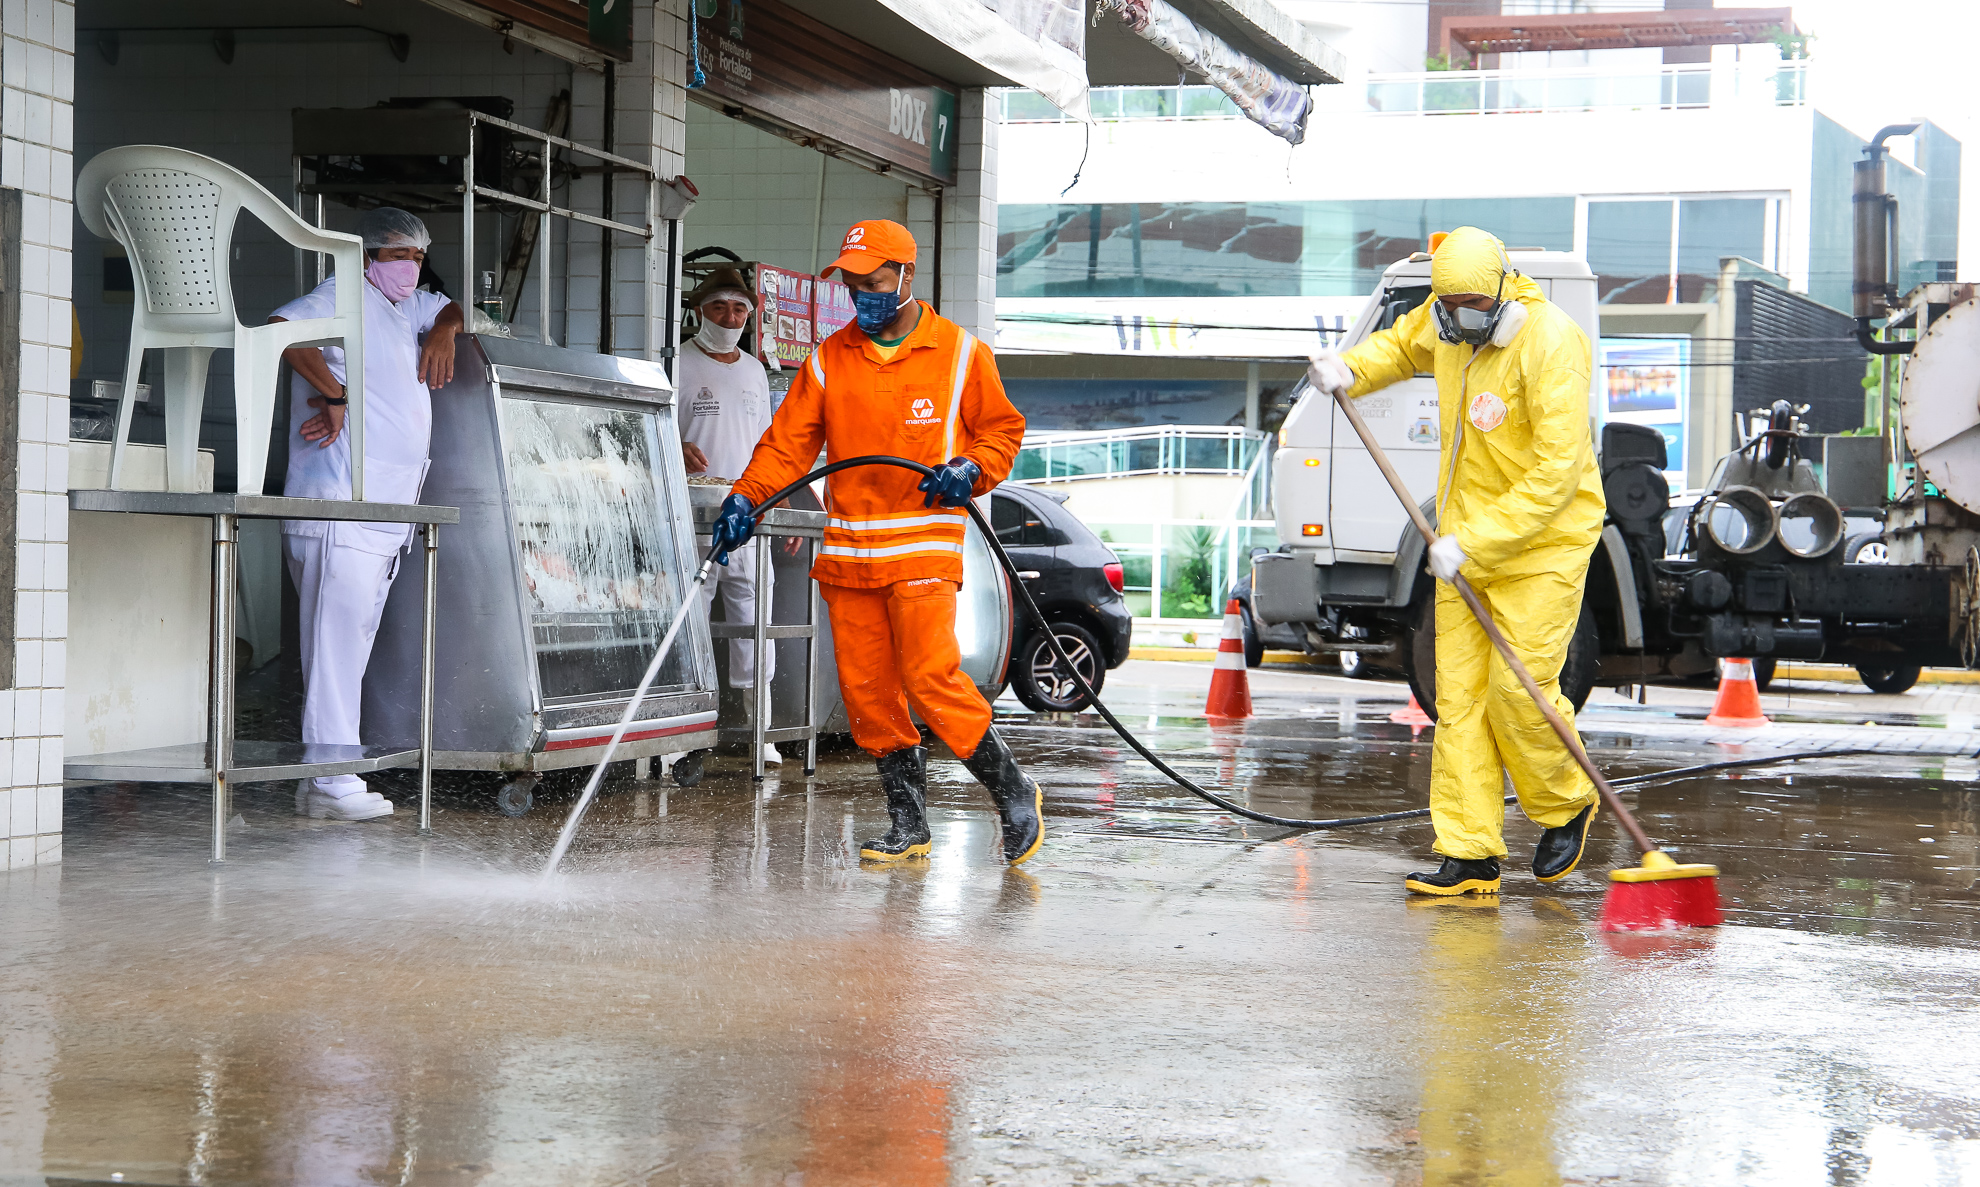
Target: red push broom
[[1659, 894]]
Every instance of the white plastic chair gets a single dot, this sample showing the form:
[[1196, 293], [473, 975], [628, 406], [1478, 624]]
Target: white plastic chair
[[173, 211]]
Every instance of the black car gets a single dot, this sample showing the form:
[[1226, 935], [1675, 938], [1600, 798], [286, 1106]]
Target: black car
[[1076, 580]]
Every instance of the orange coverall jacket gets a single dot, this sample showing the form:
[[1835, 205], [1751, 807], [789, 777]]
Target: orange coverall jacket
[[939, 398]]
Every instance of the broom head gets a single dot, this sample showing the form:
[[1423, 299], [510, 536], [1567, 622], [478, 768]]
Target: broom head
[[1660, 895]]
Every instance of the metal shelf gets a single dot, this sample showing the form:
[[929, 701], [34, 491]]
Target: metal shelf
[[254, 762]]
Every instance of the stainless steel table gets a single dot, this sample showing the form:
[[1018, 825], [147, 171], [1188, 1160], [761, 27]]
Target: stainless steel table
[[222, 760], [778, 523]]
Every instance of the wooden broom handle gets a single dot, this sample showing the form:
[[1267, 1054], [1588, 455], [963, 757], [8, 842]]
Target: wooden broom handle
[[1567, 735]]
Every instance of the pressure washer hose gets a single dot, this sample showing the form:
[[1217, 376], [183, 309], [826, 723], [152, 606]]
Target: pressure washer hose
[[1037, 616]]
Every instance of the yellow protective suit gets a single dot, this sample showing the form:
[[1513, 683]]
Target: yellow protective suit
[[1519, 485]]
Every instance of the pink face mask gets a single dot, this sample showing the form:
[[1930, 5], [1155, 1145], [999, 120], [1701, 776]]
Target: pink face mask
[[395, 278]]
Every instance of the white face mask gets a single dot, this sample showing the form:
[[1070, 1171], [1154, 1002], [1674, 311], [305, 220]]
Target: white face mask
[[714, 339]]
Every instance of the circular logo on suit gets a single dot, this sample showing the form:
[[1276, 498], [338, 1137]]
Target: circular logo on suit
[[1487, 412]]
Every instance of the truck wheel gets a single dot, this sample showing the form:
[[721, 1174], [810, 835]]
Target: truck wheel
[[1763, 672], [1420, 658], [1889, 680], [1254, 647]]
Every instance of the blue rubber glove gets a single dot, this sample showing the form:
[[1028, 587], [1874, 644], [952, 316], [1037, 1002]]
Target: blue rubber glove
[[951, 485], [733, 527]]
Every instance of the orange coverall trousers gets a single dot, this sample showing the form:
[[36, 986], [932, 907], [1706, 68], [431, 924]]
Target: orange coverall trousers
[[896, 648]]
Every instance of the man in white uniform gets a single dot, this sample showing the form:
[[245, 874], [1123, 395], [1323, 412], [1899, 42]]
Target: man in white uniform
[[724, 411], [343, 571]]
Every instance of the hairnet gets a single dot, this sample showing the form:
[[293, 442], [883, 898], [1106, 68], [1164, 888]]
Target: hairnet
[[1469, 261], [388, 226]]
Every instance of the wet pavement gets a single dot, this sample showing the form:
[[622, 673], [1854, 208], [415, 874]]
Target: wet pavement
[[718, 993]]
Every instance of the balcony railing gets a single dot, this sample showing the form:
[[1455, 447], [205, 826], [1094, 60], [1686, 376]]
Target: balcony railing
[[1506, 92], [1471, 92], [1157, 449]]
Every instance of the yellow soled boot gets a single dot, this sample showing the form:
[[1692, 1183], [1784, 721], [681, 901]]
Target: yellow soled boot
[[1457, 876]]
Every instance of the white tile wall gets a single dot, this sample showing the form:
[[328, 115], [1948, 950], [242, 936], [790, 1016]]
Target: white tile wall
[[37, 81]]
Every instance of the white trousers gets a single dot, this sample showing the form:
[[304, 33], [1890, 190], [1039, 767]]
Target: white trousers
[[736, 582], [342, 591]]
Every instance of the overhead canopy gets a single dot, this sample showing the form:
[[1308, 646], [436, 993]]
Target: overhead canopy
[[1615, 30], [925, 33]]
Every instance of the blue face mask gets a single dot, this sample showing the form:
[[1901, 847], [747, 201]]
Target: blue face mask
[[874, 311]]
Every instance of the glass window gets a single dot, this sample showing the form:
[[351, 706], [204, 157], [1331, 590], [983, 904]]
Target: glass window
[[1629, 248], [1709, 229], [1007, 518], [1222, 249], [596, 544], [1029, 105]]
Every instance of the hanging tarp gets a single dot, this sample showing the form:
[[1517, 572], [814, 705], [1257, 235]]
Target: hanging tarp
[[1266, 96], [1040, 44]]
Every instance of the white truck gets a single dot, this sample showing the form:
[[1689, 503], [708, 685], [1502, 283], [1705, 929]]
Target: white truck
[[1762, 566]]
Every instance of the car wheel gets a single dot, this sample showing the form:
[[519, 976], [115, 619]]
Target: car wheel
[[1867, 549], [1889, 680], [1419, 651], [1254, 647], [1043, 684]]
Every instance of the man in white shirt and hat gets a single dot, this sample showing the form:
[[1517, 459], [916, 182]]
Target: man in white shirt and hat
[[342, 571], [724, 410]]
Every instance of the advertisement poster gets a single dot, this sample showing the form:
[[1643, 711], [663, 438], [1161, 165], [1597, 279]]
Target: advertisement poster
[[783, 307], [834, 308], [1646, 382]]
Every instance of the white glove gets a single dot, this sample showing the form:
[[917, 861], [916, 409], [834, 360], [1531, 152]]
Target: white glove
[[1328, 373], [1446, 558]]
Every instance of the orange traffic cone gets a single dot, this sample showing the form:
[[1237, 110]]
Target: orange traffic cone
[[1412, 715], [1230, 690], [1739, 697]]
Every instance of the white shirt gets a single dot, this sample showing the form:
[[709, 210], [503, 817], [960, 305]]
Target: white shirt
[[724, 408], [398, 417]]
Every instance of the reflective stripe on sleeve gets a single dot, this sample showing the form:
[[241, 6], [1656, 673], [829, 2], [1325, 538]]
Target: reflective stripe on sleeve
[[817, 368], [963, 353]]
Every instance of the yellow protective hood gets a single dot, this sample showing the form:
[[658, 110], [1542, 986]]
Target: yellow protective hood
[[1468, 261]]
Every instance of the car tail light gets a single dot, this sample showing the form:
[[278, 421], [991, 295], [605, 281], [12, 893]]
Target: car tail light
[[1116, 576]]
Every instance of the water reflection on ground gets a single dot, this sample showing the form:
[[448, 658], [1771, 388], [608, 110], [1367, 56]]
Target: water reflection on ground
[[717, 994]]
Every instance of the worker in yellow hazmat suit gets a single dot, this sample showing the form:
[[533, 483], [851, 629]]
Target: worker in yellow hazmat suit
[[1519, 504]]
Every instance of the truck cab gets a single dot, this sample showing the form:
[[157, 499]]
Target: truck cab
[[1347, 576]]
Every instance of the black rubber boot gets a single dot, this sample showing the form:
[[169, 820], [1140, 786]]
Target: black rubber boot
[[904, 776], [1560, 849], [1458, 876], [1020, 800]]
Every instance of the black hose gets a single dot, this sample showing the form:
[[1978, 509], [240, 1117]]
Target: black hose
[[1175, 776]]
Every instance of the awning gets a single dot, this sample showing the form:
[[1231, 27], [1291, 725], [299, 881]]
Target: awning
[[1615, 30], [1275, 101], [969, 44]]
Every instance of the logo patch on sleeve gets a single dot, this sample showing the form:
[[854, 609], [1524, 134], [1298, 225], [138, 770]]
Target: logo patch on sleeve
[[1487, 412]]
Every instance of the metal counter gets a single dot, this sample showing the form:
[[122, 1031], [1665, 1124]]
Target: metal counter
[[574, 550], [221, 760]]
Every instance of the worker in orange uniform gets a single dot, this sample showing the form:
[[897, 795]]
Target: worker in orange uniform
[[905, 381]]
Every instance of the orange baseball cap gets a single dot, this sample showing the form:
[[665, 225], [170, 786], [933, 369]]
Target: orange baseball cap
[[870, 244]]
